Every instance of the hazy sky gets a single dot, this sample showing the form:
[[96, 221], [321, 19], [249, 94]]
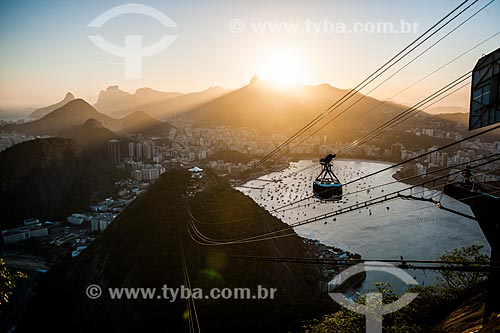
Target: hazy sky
[[45, 50]]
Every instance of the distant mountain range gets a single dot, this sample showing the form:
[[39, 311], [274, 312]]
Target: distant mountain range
[[459, 118], [119, 103], [258, 105], [39, 113], [77, 112], [50, 179], [161, 105], [447, 109]]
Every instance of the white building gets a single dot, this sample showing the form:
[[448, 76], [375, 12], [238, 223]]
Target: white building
[[99, 208], [29, 222], [420, 170], [104, 223], [76, 219], [22, 233], [94, 224]]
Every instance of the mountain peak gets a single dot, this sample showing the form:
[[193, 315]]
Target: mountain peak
[[142, 122], [76, 108], [75, 112], [111, 93], [144, 90], [215, 89], [113, 88], [254, 80], [39, 113], [78, 102]]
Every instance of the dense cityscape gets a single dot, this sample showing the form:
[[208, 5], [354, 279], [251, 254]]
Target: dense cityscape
[[148, 158]]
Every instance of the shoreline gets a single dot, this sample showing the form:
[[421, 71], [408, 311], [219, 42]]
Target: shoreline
[[417, 180], [261, 173], [364, 160], [319, 250]]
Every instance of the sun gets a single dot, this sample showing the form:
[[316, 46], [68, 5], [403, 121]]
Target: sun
[[282, 67]]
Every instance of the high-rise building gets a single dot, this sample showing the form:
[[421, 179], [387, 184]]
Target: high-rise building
[[137, 175], [131, 148], [154, 174], [153, 147], [114, 152], [138, 147], [396, 150], [147, 150]]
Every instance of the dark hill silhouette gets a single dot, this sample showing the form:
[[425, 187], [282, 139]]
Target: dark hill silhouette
[[49, 179], [262, 106], [78, 112], [39, 113], [258, 105], [71, 114], [143, 248], [141, 122], [94, 137]]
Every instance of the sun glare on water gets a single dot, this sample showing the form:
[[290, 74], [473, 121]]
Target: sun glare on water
[[282, 67]]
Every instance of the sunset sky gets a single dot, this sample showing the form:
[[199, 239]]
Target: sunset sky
[[45, 50]]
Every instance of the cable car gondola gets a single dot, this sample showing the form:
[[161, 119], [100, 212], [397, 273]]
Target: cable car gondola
[[327, 186]]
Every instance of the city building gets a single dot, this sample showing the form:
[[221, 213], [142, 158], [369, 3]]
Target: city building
[[147, 150], [29, 222], [22, 233], [131, 149], [114, 152], [99, 208], [104, 222], [76, 219], [94, 224], [138, 148], [396, 150]]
